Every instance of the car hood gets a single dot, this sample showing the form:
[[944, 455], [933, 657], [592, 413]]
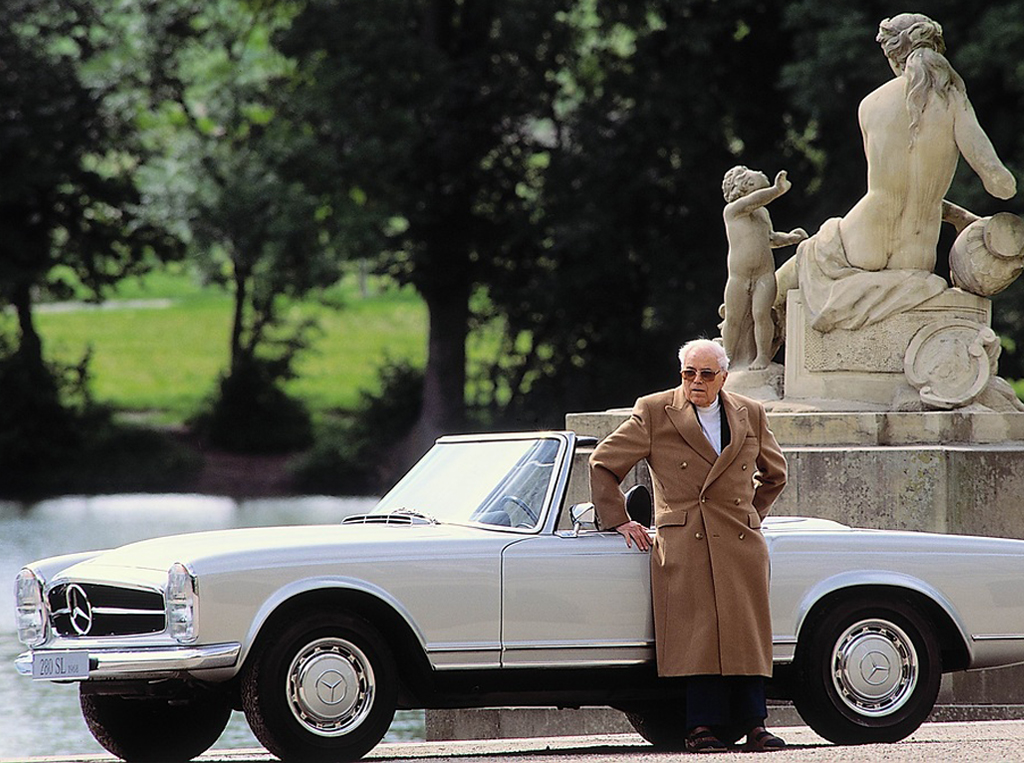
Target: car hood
[[215, 551]]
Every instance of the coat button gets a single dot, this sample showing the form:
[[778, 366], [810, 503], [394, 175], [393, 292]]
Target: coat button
[[703, 499], [699, 536], [744, 467], [742, 536], [737, 501], [683, 465]]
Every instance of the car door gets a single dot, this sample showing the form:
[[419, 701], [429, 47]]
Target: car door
[[576, 601]]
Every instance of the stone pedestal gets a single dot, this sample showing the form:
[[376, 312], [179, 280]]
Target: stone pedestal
[[958, 472], [939, 355], [938, 471]]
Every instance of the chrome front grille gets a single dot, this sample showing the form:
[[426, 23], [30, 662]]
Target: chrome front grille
[[89, 609]]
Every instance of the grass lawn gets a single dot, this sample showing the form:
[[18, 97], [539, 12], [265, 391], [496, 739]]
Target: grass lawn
[[160, 343]]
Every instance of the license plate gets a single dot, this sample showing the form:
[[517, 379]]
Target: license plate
[[54, 666]]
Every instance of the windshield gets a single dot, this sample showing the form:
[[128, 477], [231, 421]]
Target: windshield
[[504, 483]]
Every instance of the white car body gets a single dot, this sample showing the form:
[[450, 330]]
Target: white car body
[[466, 612]]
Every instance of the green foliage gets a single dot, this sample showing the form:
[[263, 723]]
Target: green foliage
[[40, 432], [70, 212], [544, 173], [69, 159], [212, 113], [664, 98], [355, 455], [56, 439], [121, 458], [250, 413], [163, 354], [425, 123]]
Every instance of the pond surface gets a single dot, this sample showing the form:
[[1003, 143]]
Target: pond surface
[[39, 718]]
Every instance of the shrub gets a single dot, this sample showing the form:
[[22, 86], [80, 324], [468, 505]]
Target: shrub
[[354, 455], [250, 413], [55, 439]]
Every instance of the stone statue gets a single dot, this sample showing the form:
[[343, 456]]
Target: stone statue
[[879, 259], [748, 329]]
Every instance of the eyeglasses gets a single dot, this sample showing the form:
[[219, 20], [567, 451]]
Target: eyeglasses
[[706, 374]]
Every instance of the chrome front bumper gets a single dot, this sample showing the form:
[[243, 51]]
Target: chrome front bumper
[[123, 663]]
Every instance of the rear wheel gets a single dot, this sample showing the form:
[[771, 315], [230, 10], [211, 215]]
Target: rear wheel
[[663, 724], [322, 687], [869, 672], [156, 729]]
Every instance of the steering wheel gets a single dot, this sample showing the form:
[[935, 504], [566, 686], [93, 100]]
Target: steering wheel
[[524, 506]]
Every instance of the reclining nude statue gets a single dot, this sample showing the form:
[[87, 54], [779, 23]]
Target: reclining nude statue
[[879, 259]]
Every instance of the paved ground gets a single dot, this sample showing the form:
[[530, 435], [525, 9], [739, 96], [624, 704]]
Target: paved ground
[[973, 742]]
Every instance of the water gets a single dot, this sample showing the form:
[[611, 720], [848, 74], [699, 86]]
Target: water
[[39, 718]]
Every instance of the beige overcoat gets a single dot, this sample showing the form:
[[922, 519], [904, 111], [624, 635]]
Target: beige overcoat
[[709, 562]]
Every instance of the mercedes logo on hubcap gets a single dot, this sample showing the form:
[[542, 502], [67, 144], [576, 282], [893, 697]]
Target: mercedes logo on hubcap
[[875, 668], [330, 687], [79, 609]]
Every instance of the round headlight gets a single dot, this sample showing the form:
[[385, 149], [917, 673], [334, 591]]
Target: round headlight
[[30, 607], [182, 603]]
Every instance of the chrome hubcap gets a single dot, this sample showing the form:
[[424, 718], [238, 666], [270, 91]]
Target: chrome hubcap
[[874, 667], [330, 687]]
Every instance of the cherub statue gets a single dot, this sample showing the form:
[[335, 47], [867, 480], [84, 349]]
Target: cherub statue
[[748, 329]]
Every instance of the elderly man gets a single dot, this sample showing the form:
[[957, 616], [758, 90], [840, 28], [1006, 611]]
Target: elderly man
[[717, 468]]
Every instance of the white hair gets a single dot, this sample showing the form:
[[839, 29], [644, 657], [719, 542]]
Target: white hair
[[704, 344]]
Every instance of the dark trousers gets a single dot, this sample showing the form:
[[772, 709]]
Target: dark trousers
[[735, 701]]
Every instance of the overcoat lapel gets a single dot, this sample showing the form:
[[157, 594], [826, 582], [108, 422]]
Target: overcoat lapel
[[737, 418], [684, 418]]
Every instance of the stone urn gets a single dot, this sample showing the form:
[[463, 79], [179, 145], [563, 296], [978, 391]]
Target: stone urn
[[988, 255]]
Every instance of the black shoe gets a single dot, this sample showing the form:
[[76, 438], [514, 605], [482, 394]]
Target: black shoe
[[701, 739], [762, 740]]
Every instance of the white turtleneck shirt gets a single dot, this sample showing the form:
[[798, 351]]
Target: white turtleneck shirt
[[710, 419]]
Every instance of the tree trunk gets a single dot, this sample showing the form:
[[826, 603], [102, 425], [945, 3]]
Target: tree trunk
[[30, 345], [444, 382], [241, 295]]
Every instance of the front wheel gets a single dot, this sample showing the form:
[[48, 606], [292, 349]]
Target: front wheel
[[869, 672], [323, 687], [156, 729]]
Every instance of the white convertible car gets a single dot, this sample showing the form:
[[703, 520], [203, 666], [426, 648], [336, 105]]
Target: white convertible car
[[473, 583]]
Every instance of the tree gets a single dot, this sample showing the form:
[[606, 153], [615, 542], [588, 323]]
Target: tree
[[426, 114], [69, 157], [663, 98], [214, 115], [71, 215], [660, 99]]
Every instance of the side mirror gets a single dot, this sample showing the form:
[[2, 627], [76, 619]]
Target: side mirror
[[640, 505], [582, 514]]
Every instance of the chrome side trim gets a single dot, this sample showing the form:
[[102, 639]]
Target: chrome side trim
[[591, 663], [997, 637], [486, 646], [454, 656], [783, 650], [119, 663], [524, 645]]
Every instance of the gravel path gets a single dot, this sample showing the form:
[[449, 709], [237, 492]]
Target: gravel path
[[976, 742]]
